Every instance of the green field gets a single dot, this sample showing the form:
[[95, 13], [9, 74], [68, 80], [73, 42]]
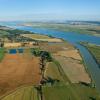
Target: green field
[[53, 72], [1, 53], [26, 93], [61, 89], [70, 92], [66, 90], [3, 33]]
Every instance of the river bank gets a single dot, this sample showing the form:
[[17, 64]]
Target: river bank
[[94, 50], [79, 28]]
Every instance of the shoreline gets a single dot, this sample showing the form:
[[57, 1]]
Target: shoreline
[[86, 46], [86, 68], [70, 28]]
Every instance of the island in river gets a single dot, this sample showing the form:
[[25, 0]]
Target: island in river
[[32, 66], [83, 27]]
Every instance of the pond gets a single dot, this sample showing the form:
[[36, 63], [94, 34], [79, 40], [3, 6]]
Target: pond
[[12, 51], [20, 50]]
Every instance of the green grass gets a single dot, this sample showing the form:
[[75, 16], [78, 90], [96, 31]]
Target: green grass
[[66, 90], [61, 71], [3, 33], [1, 53], [26, 93], [70, 92], [53, 72], [36, 36], [95, 50]]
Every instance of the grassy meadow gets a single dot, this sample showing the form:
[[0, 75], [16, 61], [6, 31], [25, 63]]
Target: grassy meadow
[[2, 52], [95, 50]]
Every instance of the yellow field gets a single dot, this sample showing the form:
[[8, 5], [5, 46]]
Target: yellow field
[[41, 37], [26, 93]]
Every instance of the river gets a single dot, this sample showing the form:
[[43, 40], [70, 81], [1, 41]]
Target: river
[[73, 38]]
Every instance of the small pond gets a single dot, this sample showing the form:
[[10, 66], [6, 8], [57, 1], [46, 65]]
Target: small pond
[[12, 51], [20, 50]]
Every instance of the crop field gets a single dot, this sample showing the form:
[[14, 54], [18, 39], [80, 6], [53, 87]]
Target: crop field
[[35, 36], [1, 53], [66, 90], [20, 73], [25, 93], [52, 72], [55, 47], [18, 70], [24, 71], [70, 92], [73, 69], [41, 37]]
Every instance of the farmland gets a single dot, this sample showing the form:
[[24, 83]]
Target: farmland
[[70, 92], [41, 38], [2, 53], [17, 70], [38, 69], [23, 93]]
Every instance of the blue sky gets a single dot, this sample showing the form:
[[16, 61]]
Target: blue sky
[[49, 9]]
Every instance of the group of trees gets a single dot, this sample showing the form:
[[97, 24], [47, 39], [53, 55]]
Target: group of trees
[[1, 44], [44, 57], [43, 54]]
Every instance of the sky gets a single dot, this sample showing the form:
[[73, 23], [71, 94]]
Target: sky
[[49, 10]]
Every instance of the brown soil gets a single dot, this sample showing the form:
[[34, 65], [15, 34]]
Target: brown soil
[[73, 69], [70, 53], [55, 47], [18, 70]]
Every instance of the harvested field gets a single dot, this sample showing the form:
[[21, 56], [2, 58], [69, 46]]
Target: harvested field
[[6, 45], [17, 70], [23, 93], [37, 36], [41, 37], [70, 53], [53, 72], [73, 69], [55, 47]]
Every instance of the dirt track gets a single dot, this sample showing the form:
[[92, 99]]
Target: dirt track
[[17, 70]]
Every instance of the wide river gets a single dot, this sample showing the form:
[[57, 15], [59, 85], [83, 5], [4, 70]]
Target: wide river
[[73, 38]]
